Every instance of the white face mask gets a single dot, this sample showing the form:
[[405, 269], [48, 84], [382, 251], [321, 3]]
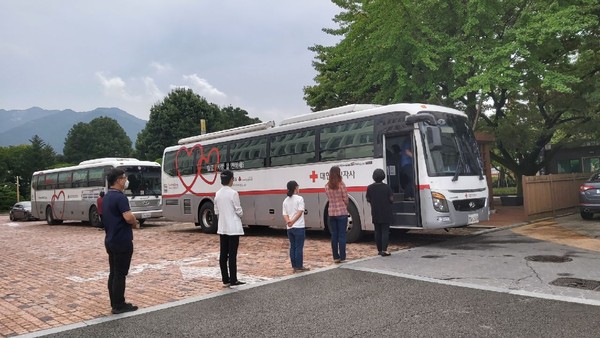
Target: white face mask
[[126, 184]]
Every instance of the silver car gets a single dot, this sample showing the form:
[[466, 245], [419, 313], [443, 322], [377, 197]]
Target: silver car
[[589, 197], [21, 211]]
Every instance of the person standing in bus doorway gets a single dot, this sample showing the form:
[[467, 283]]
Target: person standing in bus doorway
[[338, 213], [293, 214], [99, 208], [229, 210], [381, 198], [407, 172], [118, 224]]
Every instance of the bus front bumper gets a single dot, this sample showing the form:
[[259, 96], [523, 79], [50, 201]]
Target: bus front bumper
[[147, 214]]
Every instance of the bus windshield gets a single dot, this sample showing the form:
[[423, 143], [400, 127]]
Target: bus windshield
[[455, 153], [142, 180]]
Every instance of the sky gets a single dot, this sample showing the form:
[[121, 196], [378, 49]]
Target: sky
[[129, 54]]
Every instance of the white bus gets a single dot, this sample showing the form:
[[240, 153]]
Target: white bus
[[70, 193], [449, 184]]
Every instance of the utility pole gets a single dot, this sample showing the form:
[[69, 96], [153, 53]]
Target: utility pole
[[18, 188]]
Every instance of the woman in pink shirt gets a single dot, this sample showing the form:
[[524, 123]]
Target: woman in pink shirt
[[338, 213]]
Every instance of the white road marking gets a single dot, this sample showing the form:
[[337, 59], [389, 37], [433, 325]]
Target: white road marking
[[188, 271]]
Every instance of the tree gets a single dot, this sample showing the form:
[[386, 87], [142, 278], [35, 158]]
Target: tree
[[525, 70], [38, 156], [23, 161], [178, 116], [102, 137]]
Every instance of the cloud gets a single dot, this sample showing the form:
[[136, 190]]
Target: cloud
[[114, 87], [161, 68], [203, 88], [152, 89]]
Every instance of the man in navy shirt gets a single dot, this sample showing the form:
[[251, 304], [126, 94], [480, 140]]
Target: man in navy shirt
[[118, 222]]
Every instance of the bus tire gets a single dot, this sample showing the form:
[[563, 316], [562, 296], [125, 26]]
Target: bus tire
[[207, 218], [94, 217], [50, 217], [354, 229]]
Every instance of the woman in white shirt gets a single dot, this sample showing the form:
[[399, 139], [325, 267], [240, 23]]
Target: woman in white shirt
[[293, 214], [229, 210]]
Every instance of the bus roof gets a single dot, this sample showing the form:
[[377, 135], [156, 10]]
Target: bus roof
[[106, 161], [344, 113]]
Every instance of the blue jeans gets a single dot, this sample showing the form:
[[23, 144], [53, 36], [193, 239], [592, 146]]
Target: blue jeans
[[337, 227], [296, 237]]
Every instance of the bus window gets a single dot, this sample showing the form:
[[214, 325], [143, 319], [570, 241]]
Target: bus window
[[96, 176], [80, 178], [346, 141], [249, 153], [217, 157], [293, 148], [64, 179], [50, 181]]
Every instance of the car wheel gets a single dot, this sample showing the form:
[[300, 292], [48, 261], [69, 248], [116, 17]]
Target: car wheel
[[11, 216], [587, 215]]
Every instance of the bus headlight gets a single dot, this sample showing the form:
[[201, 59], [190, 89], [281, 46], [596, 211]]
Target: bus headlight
[[439, 202]]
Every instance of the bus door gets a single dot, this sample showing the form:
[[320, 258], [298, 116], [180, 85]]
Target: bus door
[[402, 179]]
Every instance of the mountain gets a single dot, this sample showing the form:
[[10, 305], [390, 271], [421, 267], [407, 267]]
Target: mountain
[[19, 126]]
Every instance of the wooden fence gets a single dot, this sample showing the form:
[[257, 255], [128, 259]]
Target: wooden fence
[[550, 195]]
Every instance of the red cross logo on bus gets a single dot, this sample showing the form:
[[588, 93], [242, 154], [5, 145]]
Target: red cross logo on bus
[[313, 176]]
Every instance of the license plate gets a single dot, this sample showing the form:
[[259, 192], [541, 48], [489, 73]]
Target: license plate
[[148, 215], [473, 218]]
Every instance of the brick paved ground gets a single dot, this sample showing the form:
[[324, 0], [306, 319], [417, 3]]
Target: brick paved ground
[[56, 275]]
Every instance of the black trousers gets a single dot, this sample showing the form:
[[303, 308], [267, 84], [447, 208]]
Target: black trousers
[[119, 262], [228, 254], [382, 236]]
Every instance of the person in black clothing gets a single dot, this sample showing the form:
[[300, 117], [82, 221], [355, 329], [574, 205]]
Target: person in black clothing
[[118, 222], [381, 198]]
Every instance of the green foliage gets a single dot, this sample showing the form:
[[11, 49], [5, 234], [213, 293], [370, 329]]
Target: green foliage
[[503, 191], [8, 196], [178, 116], [23, 161], [526, 71], [102, 137]]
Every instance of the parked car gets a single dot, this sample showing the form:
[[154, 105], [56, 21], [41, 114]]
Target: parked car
[[21, 211], [589, 197]]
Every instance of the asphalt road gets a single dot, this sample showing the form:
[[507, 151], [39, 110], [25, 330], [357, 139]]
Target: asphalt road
[[485, 285]]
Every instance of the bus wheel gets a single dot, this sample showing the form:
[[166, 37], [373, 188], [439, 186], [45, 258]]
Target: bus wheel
[[354, 229], [207, 218], [50, 217], [94, 217]]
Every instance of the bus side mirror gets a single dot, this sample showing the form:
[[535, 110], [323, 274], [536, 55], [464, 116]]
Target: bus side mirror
[[434, 137], [421, 117]]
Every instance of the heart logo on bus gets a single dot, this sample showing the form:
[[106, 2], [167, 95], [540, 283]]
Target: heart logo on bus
[[188, 153], [206, 159], [57, 198]]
